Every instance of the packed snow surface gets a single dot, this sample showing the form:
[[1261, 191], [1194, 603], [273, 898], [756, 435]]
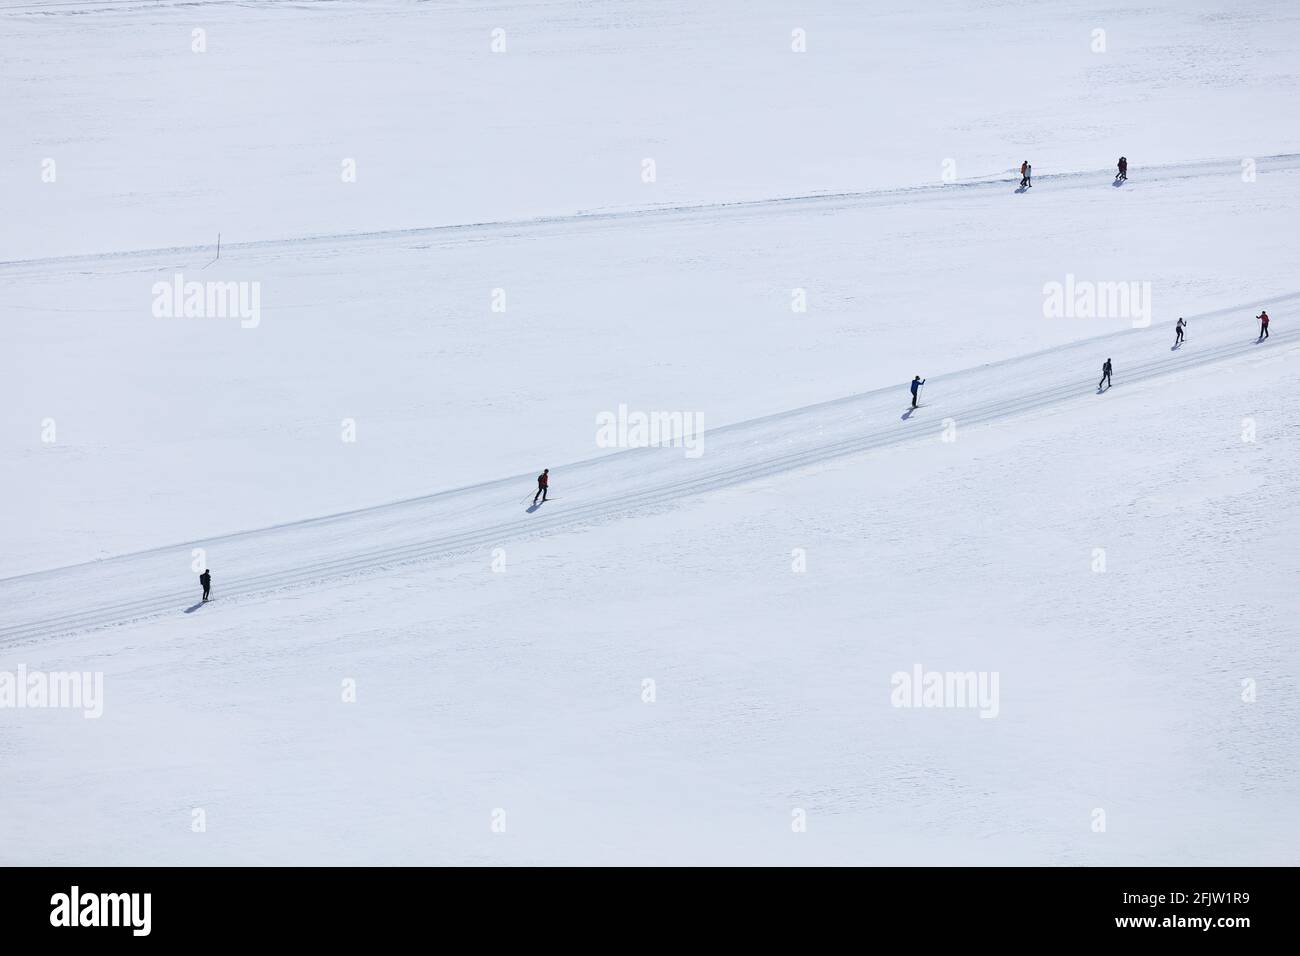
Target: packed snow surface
[[695, 653]]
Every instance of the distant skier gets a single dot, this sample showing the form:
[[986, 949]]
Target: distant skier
[[917, 382], [1105, 376], [1178, 331], [1025, 169], [1123, 169], [205, 579], [543, 481], [1263, 326]]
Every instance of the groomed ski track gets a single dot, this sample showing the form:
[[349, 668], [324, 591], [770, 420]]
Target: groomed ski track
[[700, 214], [252, 564]]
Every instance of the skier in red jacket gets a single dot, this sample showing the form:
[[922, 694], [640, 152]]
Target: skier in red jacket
[[543, 480], [1263, 326]]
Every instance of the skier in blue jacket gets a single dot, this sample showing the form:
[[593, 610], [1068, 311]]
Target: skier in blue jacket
[[917, 382]]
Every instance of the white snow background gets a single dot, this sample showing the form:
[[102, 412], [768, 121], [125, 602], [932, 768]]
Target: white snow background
[[357, 467]]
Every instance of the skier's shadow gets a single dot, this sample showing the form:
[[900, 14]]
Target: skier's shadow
[[908, 414], [191, 610], [533, 508], [1119, 182], [1021, 190], [1175, 348]]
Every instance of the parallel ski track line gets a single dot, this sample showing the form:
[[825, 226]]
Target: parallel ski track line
[[381, 558], [59, 265]]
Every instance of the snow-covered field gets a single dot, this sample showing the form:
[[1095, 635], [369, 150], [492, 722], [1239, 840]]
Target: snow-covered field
[[692, 654]]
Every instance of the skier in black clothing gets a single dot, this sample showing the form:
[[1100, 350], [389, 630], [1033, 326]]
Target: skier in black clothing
[[206, 580], [1105, 375], [543, 480], [1178, 331], [1123, 169], [917, 382]]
